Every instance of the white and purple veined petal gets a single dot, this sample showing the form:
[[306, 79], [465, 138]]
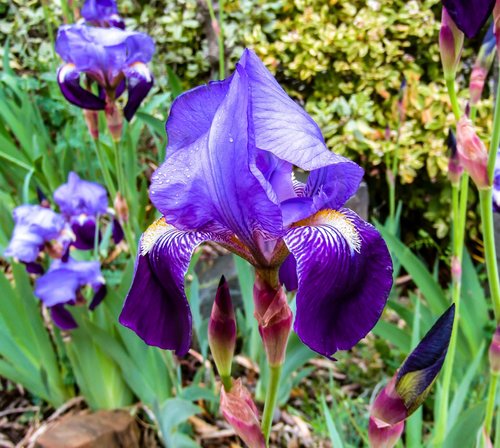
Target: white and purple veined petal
[[34, 226], [344, 274], [139, 83]]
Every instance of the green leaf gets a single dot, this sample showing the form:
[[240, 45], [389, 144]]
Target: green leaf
[[171, 414], [464, 432], [174, 83], [330, 424]]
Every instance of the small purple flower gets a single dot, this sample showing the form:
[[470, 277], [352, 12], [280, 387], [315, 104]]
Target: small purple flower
[[81, 202], [103, 13], [469, 16], [228, 178], [34, 226], [113, 58], [61, 286]]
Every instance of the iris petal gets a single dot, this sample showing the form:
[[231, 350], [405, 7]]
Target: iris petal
[[344, 278], [68, 77], [63, 318], [210, 184], [469, 16], [140, 81]]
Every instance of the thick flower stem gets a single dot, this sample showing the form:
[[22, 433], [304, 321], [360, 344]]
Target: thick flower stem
[[489, 248], [104, 168], [459, 215], [490, 404], [226, 382], [271, 399]]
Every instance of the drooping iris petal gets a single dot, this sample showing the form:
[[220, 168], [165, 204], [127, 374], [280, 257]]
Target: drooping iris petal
[[81, 197], [419, 371], [344, 278], [288, 273], [209, 185], [68, 77], [84, 228], [102, 13], [140, 81], [34, 226], [62, 318], [469, 16]]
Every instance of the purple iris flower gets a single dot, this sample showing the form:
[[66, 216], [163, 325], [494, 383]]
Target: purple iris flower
[[34, 227], [61, 286], [113, 58], [469, 16], [81, 202], [103, 13], [228, 178]]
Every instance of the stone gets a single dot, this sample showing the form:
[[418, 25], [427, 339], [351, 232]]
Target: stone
[[109, 429]]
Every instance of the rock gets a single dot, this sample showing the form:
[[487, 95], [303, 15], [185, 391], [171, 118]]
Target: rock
[[109, 429]]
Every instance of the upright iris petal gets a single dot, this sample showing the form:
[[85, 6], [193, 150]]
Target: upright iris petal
[[34, 226], [102, 13], [228, 177], [107, 56], [61, 284], [81, 202], [469, 16]]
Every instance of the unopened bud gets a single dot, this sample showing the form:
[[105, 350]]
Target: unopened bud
[[121, 207], [472, 153], [240, 411], [92, 119], [482, 66], [389, 407], [451, 41], [494, 352], [222, 330], [274, 318], [455, 170], [456, 268], [382, 435], [114, 120]]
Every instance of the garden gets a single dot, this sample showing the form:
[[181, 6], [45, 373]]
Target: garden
[[244, 223]]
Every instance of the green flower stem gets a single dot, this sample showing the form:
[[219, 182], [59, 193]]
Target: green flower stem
[[226, 381], [489, 248], [108, 181], [459, 215], [490, 405], [271, 399], [497, 431], [122, 188]]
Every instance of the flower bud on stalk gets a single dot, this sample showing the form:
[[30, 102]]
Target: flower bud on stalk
[[494, 352], [121, 207], [240, 411], [482, 66], [274, 317], [114, 120], [92, 119], [451, 41], [222, 332], [472, 153], [410, 386], [455, 170]]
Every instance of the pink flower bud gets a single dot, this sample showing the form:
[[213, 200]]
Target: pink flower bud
[[482, 66], [472, 153], [494, 352], [451, 41], [240, 411], [121, 207], [456, 268], [382, 435], [389, 408], [274, 317], [92, 119], [114, 120], [222, 330]]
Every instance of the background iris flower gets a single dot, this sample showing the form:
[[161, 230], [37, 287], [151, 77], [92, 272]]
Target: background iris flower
[[469, 16], [228, 177], [102, 13], [61, 286], [111, 57]]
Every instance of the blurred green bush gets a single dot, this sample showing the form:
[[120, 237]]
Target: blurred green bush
[[342, 59]]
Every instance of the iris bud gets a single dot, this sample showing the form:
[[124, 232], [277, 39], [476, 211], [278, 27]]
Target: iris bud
[[451, 41], [274, 317], [222, 331], [494, 352], [240, 411], [114, 120], [472, 153], [382, 435], [482, 66], [92, 119]]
